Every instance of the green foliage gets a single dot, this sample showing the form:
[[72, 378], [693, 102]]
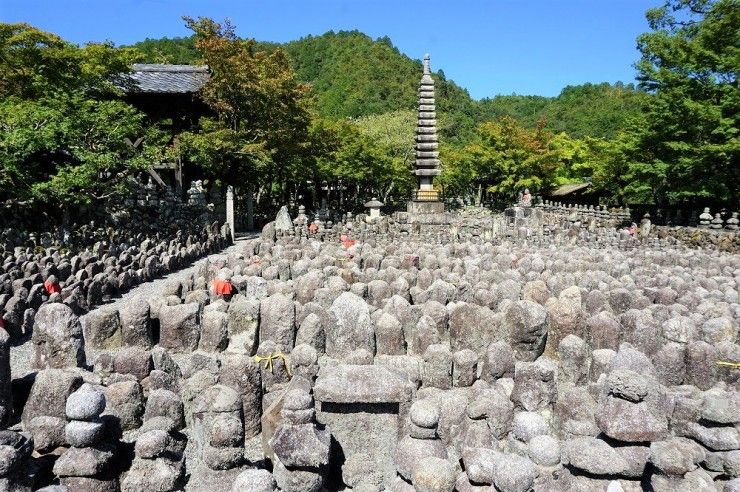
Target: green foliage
[[685, 149], [508, 158], [65, 148], [353, 76], [393, 133], [222, 152], [588, 110], [347, 156], [261, 133], [505, 157], [178, 50], [62, 139], [34, 63]]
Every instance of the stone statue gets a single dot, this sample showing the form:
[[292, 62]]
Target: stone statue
[[526, 200]]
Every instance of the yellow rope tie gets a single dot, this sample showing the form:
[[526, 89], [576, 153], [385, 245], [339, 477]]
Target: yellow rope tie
[[268, 361], [728, 363]]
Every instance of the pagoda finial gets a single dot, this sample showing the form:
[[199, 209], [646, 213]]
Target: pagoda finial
[[427, 70]]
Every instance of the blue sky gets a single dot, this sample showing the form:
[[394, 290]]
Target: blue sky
[[489, 47]]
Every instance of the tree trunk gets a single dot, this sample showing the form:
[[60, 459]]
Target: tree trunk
[[388, 191]]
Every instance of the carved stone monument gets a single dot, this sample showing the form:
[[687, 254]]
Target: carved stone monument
[[364, 406]]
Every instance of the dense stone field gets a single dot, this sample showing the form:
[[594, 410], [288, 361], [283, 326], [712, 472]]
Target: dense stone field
[[85, 277], [389, 362]]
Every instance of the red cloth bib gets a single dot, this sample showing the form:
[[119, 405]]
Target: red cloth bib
[[222, 287], [52, 288]]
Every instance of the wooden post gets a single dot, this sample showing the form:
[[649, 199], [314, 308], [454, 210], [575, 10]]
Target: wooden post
[[157, 178]]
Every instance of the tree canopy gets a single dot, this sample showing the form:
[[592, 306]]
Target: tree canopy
[[63, 129], [332, 117], [685, 146], [262, 110]]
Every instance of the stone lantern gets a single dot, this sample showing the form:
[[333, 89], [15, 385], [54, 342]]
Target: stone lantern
[[374, 206]]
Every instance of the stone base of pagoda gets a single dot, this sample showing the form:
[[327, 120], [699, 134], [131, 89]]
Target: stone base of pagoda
[[418, 207]]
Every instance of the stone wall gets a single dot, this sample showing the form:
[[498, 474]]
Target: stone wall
[[146, 209], [540, 225]]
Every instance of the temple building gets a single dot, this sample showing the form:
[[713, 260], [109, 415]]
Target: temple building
[[426, 199], [168, 95]]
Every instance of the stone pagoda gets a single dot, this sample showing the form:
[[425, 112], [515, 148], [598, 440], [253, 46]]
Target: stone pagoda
[[426, 199]]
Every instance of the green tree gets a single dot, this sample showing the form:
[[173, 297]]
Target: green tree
[[260, 135], [685, 148], [587, 110], [393, 133], [178, 50], [459, 177], [358, 166], [34, 63], [508, 158], [63, 130]]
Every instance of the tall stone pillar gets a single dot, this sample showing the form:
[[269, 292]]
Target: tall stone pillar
[[230, 209]]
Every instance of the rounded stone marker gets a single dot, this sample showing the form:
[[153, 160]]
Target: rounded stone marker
[[254, 480], [544, 450], [86, 403], [297, 399], [433, 475], [151, 444], [425, 414], [80, 434]]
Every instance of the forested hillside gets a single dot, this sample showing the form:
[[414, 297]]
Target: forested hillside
[[179, 51], [612, 134], [596, 110], [331, 118], [353, 75]]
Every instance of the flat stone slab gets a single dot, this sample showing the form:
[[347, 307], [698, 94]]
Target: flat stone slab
[[345, 383]]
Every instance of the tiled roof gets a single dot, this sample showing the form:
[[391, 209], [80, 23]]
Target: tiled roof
[[164, 79], [567, 189]]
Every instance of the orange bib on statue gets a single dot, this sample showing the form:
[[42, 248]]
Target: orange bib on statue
[[222, 287]]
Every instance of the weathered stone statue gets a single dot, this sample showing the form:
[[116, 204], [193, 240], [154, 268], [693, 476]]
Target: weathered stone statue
[[526, 200], [705, 218]]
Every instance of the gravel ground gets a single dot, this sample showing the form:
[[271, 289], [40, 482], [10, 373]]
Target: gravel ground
[[20, 355]]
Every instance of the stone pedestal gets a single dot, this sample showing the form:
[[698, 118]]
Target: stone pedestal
[[364, 406], [424, 207]]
